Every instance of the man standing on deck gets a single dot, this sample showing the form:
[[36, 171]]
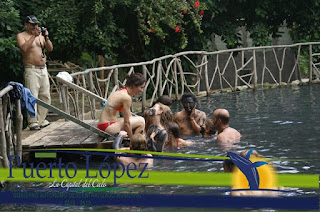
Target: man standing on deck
[[221, 124], [190, 120], [32, 43]]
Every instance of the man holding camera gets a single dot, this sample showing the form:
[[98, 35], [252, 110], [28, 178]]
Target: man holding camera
[[32, 43]]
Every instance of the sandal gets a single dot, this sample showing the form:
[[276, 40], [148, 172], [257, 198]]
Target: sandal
[[35, 127], [44, 124]]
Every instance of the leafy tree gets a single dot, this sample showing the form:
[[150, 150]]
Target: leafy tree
[[9, 52], [130, 31]]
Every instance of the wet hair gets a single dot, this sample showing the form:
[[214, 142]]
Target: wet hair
[[166, 100], [138, 142], [210, 125], [174, 129], [228, 165], [166, 115], [135, 79], [224, 119], [186, 95]]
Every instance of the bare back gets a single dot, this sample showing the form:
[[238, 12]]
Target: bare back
[[33, 56], [230, 135], [120, 98]]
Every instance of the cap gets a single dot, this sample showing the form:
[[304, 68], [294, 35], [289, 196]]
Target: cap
[[31, 19]]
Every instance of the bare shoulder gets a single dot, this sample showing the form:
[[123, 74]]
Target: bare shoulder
[[177, 115], [201, 113], [221, 137], [236, 132], [20, 38], [20, 34]]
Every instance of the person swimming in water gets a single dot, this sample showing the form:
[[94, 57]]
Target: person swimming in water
[[243, 163], [174, 136], [120, 101], [208, 130], [138, 142], [157, 134], [221, 124], [190, 120], [166, 100]]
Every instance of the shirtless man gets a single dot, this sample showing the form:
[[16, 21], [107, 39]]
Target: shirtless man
[[32, 44], [221, 124], [190, 120]]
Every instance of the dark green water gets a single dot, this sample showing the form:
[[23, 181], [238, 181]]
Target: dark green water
[[278, 123]]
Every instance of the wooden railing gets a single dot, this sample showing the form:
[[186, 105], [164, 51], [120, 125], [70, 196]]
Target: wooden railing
[[189, 72], [10, 127]]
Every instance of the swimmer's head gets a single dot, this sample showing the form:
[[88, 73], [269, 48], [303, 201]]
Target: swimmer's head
[[189, 102], [151, 111], [173, 128], [138, 142], [220, 118], [228, 166], [166, 100], [165, 113], [208, 130]]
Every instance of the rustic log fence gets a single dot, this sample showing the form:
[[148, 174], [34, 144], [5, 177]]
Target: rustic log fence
[[10, 126], [183, 72]]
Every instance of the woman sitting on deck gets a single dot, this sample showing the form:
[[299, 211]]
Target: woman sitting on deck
[[121, 101]]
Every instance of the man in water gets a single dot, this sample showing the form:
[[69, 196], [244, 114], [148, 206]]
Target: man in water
[[221, 124], [190, 120]]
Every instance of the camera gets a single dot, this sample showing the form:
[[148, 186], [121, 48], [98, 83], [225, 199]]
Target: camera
[[43, 31]]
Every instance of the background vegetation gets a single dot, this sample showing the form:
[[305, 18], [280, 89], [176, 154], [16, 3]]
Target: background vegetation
[[138, 30]]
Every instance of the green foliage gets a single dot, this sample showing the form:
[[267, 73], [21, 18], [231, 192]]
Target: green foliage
[[9, 53], [89, 62], [61, 18], [161, 18], [130, 31], [304, 64]]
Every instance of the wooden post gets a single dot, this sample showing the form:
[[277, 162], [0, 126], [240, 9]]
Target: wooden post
[[19, 121], [298, 58], [64, 97], [144, 93], [255, 77], [310, 63], [199, 76], [83, 97], [181, 77], [176, 79], [8, 124], [115, 77], [93, 102], [3, 143], [236, 77], [160, 92], [101, 64], [206, 75]]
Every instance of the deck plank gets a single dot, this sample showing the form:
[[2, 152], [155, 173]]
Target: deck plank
[[37, 135], [62, 134]]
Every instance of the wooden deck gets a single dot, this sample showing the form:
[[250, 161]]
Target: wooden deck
[[63, 134]]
